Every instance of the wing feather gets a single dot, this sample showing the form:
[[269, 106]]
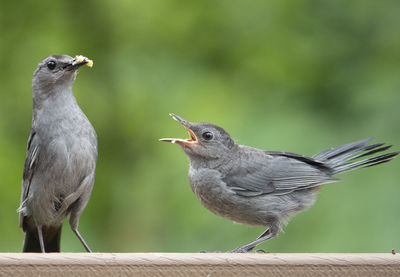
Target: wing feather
[[29, 168], [276, 173]]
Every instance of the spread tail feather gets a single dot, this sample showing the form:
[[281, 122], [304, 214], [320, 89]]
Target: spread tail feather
[[347, 157], [51, 238]]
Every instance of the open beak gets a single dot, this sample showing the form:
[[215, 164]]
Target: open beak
[[192, 137], [78, 61]]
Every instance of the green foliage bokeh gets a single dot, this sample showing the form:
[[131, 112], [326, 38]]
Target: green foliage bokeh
[[298, 76]]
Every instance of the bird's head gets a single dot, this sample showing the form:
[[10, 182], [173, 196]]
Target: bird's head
[[206, 141], [57, 71]]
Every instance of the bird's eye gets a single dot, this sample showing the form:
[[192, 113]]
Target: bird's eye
[[207, 135], [51, 65]]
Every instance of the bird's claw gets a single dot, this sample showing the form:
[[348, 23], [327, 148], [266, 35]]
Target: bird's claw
[[241, 250], [247, 250]]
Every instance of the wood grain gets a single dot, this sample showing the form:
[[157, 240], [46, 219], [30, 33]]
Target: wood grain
[[198, 264]]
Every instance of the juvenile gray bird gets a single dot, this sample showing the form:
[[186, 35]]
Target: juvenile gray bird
[[257, 187], [61, 157]]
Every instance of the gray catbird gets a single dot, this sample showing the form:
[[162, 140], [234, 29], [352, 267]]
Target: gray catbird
[[61, 157], [257, 187]]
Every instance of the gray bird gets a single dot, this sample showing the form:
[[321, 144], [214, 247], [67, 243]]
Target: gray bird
[[61, 157], [257, 187]]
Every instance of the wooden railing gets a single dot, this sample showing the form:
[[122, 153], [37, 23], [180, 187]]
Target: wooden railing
[[198, 264]]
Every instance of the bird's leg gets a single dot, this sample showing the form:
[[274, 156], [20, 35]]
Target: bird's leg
[[40, 235], [250, 246], [265, 233], [239, 249], [82, 240], [76, 210]]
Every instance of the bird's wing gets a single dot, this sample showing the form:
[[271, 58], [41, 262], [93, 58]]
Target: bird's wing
[[276, 173], [29, 168]]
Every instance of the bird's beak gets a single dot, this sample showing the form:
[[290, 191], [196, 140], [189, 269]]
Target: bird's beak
[[192, 137], [78, 61]]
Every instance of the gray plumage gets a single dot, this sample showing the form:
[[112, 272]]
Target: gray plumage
[[257, 187], [61, 157]]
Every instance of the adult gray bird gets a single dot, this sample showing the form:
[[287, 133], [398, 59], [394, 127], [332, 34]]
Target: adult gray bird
[[61, 157], [257, 187]]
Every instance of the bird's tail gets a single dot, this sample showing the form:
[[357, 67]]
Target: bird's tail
[[351, 156], [51, 238]]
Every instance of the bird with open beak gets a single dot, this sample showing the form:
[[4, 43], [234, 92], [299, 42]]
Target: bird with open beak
[[258, 187], [61, 157]]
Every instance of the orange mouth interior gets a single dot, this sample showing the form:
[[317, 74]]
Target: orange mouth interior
[[192, 138]]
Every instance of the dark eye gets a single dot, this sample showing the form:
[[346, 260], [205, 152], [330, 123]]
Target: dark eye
[[51, 65], [207, 135]]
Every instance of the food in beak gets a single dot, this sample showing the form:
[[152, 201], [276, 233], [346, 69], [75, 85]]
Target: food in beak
[[81, 59]]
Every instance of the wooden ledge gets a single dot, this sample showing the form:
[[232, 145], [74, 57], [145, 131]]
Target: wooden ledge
[[198, 264]]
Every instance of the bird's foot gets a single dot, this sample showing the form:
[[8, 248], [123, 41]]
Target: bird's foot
[[247, 250]]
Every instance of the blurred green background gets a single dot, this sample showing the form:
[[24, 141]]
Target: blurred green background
[[298, 76]]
